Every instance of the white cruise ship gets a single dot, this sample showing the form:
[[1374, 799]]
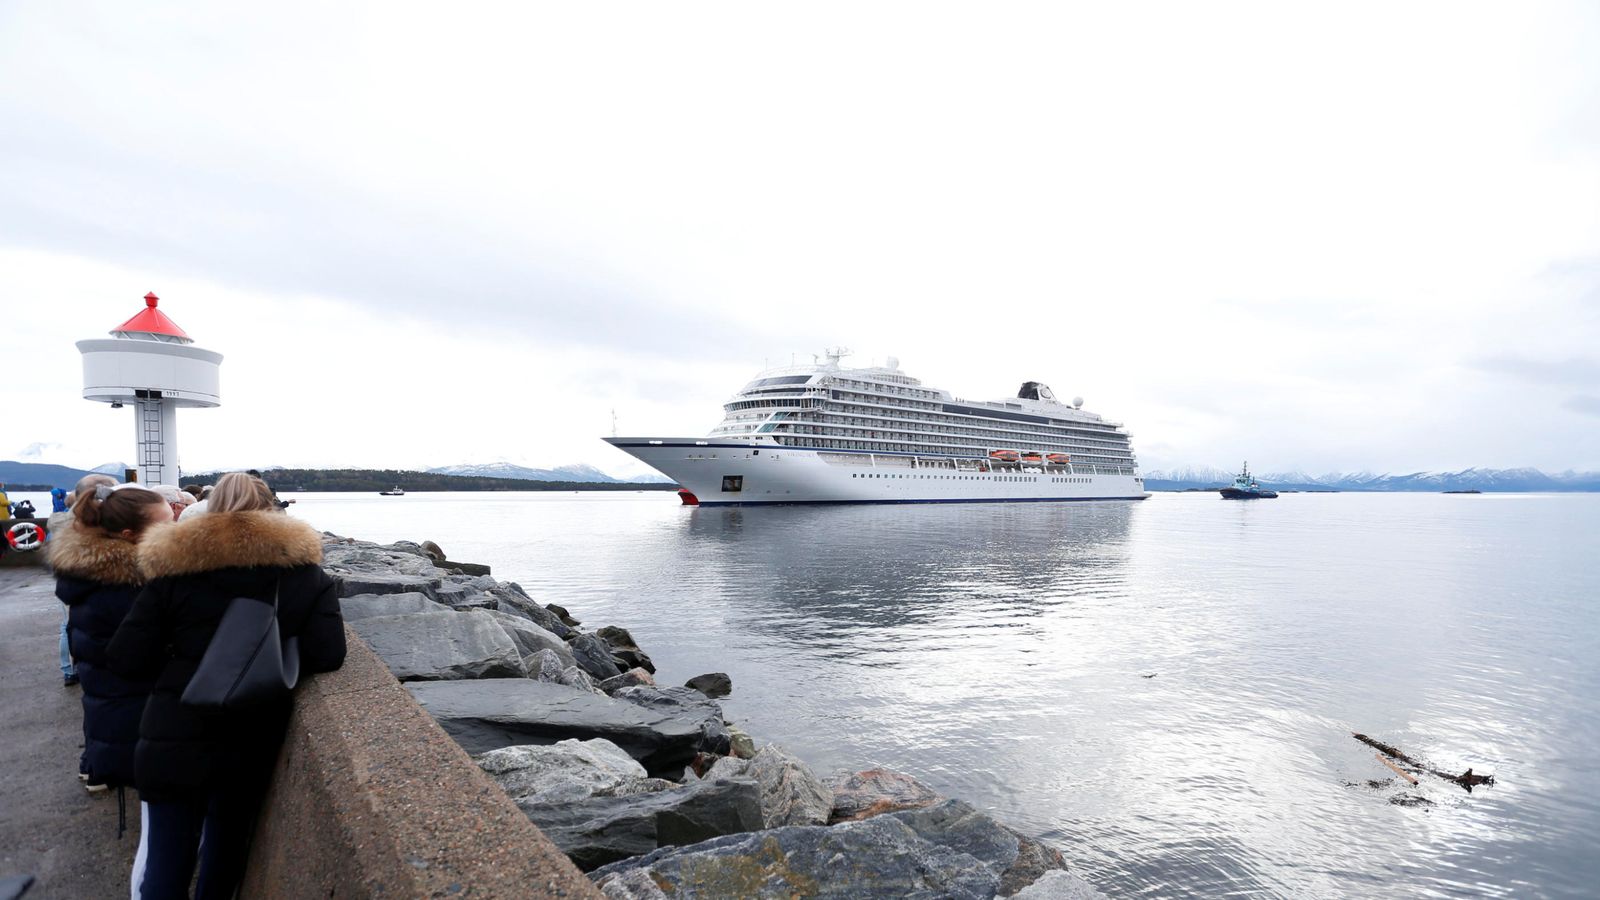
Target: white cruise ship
[[827, 433]]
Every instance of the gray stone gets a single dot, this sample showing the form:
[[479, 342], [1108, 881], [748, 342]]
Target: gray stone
[[364, 558], [594, 657], [619, 638], [363, 606], [410, 548], [602, 830], [441, 645], [1059, 885], [713, 684], [1018, 860], [545, 665], [460, 596], [566, 771], [633, 658], [790, 793], [728, 767], [572, 676], [530, 638], [877, 791], [563, 615], [513, 600], [353, 583], [630, 678], [880, 857], [502, 712], [742, 745], [715, 737], [433, 552]]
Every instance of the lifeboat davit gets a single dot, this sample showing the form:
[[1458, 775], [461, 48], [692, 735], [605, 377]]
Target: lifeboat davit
[[1004, 455], [1059, 459]]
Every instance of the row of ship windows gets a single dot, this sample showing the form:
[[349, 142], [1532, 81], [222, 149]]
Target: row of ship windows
[[940, 416], [858, 424], [1085, 458], [968, 477]]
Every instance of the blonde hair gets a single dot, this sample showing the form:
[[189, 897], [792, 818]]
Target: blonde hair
[[238, 492]]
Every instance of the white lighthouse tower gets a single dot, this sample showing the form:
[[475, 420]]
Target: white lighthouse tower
[[149, 362]]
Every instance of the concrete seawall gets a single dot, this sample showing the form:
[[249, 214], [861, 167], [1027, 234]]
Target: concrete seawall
[[371, 798]]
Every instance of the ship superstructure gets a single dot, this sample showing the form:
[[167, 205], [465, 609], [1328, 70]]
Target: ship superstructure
[[827, 433]]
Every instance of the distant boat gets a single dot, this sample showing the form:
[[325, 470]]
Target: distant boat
[[1467, 491], [397, 492], [1245, 487]]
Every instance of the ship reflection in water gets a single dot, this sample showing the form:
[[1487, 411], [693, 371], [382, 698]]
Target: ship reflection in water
[[1004, 654]]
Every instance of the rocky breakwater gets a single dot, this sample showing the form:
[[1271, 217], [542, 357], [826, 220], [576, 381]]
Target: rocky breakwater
[[646, 786]]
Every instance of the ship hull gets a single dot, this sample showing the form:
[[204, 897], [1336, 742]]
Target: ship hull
[[757, 472]]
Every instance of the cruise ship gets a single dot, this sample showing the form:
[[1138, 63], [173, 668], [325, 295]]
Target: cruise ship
[[828, 433]]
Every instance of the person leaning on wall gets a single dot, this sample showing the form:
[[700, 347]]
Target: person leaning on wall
[[206, 771]]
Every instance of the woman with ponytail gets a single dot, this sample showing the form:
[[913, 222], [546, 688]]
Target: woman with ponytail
[[97, 576]]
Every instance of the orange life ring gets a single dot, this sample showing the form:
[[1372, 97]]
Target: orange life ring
[[25, 536]]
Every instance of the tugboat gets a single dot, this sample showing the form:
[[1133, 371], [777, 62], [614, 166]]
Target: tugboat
[[1245, 487], [397, 492]]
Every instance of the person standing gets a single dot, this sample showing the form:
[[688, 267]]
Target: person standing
[[202, 774], [60, 521], [97, 577]]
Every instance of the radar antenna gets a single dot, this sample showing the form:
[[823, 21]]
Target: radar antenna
[[836, 354]]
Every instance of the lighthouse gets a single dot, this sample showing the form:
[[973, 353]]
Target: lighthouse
[[150, 364]]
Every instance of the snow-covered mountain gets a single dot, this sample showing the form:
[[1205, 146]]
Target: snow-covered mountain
[[576, 472], [1523, 479]]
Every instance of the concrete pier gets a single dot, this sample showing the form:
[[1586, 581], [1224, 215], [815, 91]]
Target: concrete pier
[[50, 827]]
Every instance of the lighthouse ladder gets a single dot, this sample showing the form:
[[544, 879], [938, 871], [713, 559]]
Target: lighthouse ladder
[[150, 431]]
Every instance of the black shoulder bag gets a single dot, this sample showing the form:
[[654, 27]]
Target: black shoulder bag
[[246, 662]]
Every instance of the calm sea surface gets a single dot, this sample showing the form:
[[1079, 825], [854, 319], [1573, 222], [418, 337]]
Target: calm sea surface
[[1001, 654]]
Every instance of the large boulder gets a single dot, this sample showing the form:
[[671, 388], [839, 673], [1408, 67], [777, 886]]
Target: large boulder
[[486, 714], [1018, 860], [594, 657], [441, 645], [602, 830], [630, 678], [530, 638], [790, 793], [877, 791], [353, 583], [361, 557], [688, 702], [567, 771], [574, 677], [625, 650], [881, 857], [712, 684], [515, 601], [459, 596], [365, 606], [545, 666]]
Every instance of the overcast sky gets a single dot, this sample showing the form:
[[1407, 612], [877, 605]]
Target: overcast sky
[[1350, 237]]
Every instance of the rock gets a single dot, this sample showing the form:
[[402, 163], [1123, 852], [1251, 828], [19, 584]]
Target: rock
[[566, 771], [618, 638], [1018, 860], [371, 559], [545, 665], [530, 638], [880, 857], [790, 793], [441, 645], [514, 601], [458, 596], [563, 615], [728, 767], [715, 738], [630, 678], [1059, 885], [713, 684], [877, 791], [363, 606], [502, 712], [594, 657], [433, 551], [572, 676], [606, 829], [410, 548], [742, 745], [633, 658], [354, 583]]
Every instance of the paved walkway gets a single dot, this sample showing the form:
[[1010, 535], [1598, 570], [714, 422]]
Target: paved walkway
[[50, 827]]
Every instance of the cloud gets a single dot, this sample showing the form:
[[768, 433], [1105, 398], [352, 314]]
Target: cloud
[[1574, 371], [1584, 404]]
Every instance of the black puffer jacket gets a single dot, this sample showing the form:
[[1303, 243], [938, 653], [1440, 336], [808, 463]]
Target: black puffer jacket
[[195, 568], [97, 577]]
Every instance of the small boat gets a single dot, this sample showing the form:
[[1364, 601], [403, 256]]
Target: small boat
[[1245, 487], [397, 492], [1033, 456], [1059, 459], [1004, 455]]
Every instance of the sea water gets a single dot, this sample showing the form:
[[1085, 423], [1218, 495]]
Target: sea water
[[1164, 689]]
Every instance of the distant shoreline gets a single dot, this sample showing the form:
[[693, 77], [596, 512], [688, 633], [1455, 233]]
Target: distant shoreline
[[315, 481]]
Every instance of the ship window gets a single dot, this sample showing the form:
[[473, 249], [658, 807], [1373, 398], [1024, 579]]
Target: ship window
[[732, 484]]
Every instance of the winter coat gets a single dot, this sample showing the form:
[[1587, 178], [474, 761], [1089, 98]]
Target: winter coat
[[97, 577], [195, 569]]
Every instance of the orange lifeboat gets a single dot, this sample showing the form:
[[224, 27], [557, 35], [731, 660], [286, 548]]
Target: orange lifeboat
[[1004, 455], [1032, 457], [1059, 459]]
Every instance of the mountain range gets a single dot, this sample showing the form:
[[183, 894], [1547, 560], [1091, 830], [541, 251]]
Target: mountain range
[[1475, 479]]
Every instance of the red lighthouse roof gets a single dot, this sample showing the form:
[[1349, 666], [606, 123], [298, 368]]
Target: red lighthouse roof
[[152, 321]]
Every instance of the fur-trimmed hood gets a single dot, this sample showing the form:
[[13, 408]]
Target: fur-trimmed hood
[[262, 538], [93, 555]]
